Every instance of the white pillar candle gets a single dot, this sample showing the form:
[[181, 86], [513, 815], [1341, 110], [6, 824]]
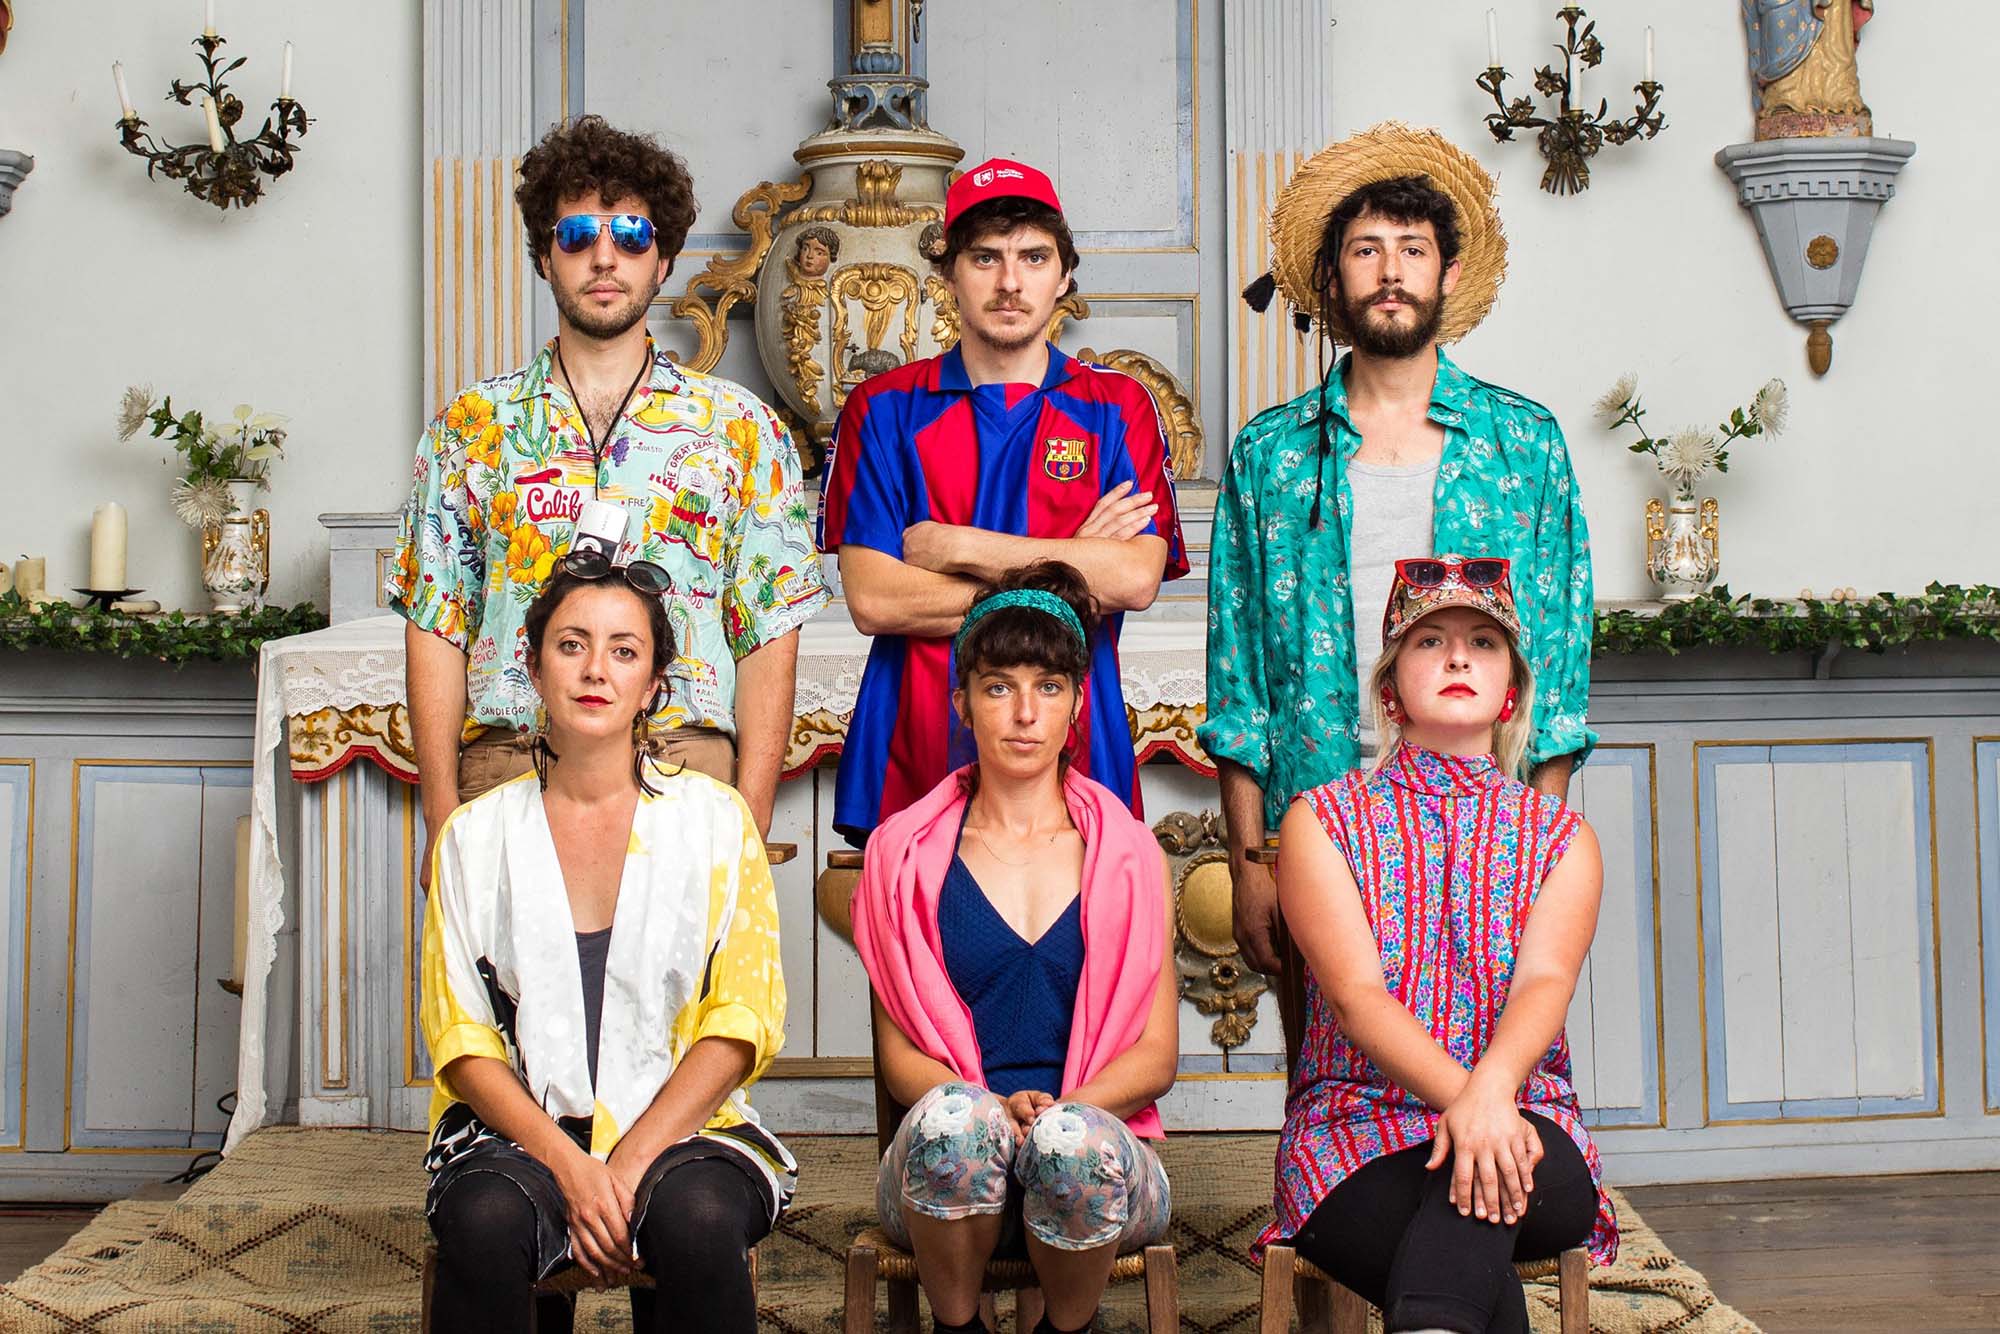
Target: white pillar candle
[[124, 96], [214, 124], [208, 18], [6, 577], [107, 547], [1492, 41], [1649, 55], [31, 577], [285, 78]]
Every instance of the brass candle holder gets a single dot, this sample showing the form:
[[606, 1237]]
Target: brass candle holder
[[225, 171], [1575, 134]]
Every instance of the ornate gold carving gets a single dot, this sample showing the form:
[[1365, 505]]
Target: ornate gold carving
[[944, 321], [875, 203], [1176, 409], [804, 298], [1711, 530], [1213, 975], [1656, 520], [881, 289], [1071, 307], [1822, 251], [729, 279]]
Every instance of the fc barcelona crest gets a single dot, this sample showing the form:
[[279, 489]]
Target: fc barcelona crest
[[1064, 459]]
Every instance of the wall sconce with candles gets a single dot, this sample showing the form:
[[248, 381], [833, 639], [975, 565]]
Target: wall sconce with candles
[[224, 171], [1570, 140]]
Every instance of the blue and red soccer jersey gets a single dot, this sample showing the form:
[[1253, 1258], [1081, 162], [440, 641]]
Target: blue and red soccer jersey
[[921, 442]]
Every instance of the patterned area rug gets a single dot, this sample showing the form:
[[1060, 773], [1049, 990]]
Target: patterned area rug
[[306, 1231]]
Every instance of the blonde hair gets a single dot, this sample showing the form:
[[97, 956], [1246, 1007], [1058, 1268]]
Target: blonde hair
[[1510, 739]]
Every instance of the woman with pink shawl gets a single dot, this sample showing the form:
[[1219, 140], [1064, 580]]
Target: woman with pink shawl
[[1014, 925]]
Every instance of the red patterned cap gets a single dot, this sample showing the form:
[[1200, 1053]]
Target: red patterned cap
[[1410, 603], [997, 178]]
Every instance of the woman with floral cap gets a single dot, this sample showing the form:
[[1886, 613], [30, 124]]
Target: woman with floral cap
[[1444, 908], [1014, 924]]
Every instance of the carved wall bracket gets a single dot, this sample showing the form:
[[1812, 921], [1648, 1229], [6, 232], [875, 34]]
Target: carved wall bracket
[[1213, 976], [729, 279]]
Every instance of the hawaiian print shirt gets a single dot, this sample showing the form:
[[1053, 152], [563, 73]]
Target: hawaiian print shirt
[[706, 469], [1282, 698]]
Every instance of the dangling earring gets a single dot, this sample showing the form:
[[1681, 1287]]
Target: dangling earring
[[1507, 707], [1389, 707]]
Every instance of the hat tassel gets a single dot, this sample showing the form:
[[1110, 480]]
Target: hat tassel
[[1259, 293]]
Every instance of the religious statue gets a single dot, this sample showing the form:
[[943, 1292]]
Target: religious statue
[[805, 296], [1802, 67]]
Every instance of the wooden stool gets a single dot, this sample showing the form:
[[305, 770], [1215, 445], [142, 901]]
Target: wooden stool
[[873, 1257], [777, 854], [1327, 1307], [560, 1284]]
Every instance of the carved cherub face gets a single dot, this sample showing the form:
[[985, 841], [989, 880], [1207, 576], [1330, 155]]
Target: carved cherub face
[[815, 251]]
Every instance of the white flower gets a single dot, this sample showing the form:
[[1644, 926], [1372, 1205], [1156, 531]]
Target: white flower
[[1688, 455], [203, 502], [948, 1116], [133, 406], [1616, 399], [1060, 1131], [1770, 405]]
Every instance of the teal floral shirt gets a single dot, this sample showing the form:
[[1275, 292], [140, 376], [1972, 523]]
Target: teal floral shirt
[[708, 477], [1281, 672]]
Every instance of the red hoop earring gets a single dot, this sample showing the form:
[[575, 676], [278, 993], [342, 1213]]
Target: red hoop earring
[[1507, 708]]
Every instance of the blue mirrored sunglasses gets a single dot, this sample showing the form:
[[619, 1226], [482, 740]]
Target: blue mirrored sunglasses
[[630, 232]]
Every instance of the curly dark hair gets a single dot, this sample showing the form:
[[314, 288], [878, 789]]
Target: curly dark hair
[[1002, 217], [586, 154], [1401, 199], [1025, 637]]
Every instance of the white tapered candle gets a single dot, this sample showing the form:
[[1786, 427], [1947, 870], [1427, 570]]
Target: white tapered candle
[[285, 77], [208, 18], [1492, 41], [1649, 55], [124, 95], [214, 124]]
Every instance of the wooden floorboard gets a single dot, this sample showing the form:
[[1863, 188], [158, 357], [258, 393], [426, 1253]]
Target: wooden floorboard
[[1842, 1253], [29, 1233]]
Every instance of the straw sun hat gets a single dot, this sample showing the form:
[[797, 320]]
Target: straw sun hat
[[1389, 150]]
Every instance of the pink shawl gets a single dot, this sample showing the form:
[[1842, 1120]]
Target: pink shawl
[[1124, 931]]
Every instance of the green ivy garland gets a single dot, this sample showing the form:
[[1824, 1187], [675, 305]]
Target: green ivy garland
[[1874, 624], [175, 637]]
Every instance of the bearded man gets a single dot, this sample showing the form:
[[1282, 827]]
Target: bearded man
[[1389, 242], [707, 475]]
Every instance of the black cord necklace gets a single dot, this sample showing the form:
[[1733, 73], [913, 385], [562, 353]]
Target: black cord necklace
[[596, 445]]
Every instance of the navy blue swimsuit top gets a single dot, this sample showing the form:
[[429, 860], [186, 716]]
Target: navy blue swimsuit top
[[1022, 995]]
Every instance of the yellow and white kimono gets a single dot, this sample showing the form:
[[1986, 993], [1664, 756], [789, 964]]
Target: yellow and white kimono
[[693, 954]]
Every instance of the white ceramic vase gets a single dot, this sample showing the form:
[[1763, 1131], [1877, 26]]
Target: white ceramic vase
[[1683, 545], [236, 552]]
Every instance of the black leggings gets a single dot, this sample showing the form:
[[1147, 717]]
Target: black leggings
[[1390, 1233], [703, 1218]]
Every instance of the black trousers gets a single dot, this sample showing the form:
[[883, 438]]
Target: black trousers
[[1390, 1233], [697, 1225]]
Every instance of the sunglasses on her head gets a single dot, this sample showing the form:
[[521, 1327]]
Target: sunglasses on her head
[[630, 232], [643, 575], [1479, 572]]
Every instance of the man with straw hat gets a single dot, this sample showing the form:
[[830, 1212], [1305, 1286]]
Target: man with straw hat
[[1389, 242]]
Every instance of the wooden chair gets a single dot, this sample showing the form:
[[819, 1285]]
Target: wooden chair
[[563, 1284], [872, 1258], [1325, 1306]]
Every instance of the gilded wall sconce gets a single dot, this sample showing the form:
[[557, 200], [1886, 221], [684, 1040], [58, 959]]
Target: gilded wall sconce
[[1575, 134], [225, 170]]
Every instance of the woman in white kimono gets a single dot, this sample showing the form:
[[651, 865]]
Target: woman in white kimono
[[600, 982]]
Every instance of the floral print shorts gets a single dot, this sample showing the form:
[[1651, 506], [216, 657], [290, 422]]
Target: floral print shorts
[[1079, 1179]]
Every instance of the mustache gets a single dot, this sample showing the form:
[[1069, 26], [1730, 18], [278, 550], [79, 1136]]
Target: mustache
[[1006, 305], [1394, 294]]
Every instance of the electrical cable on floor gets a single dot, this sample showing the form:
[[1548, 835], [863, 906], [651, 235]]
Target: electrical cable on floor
[[201, 1166]]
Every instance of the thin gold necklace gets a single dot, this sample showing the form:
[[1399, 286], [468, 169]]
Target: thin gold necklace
[[981, 835]]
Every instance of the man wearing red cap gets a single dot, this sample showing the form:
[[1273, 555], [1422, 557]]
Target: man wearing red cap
[[1003, 451]]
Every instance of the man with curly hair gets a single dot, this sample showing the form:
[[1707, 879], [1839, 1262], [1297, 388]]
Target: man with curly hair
[[707, 475]]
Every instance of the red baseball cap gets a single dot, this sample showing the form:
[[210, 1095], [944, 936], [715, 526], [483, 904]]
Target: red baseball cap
[[997, 178]]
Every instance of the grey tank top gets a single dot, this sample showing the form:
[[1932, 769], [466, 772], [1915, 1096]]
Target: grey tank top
[[592, 949], [1392, 522]]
